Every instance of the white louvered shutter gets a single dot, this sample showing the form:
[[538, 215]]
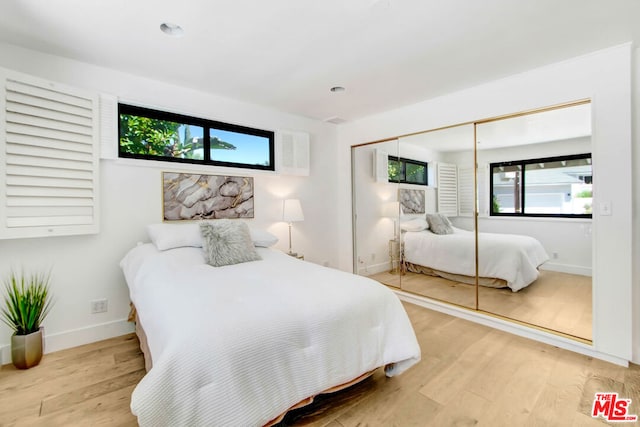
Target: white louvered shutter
[[50, 157], [465, 192], [483, 190], [293, 149], [447, 176]]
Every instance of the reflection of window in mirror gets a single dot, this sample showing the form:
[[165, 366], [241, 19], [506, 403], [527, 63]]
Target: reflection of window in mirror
[[558, 186], [407, 171]]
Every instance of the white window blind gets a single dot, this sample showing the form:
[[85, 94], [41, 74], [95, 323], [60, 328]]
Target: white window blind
[[293, 150], [483, 190], [447, 175], [50, 159], [465, 191]]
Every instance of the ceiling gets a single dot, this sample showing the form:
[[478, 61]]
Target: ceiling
[[287, 54]]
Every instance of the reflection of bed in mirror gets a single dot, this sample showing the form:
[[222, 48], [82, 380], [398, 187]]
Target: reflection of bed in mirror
[[505, 260]]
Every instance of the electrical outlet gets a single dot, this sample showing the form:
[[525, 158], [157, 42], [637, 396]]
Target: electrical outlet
[[99, 306], [554, 255]]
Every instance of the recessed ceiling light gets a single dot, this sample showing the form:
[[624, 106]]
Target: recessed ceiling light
[[337, 89], [172, 30]]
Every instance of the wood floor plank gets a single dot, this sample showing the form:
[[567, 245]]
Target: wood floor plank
[[469, 375], [523, 388], [79, 395], [558, 301], [57, 367], [449, 382], [84, 375], [466, 410], [394, 407], [97, 411]]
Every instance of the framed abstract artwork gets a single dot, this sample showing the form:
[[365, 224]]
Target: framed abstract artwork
[[198, 196], [411, 201]]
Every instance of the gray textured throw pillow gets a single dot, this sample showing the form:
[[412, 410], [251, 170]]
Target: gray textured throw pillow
[[439, 224], [227, 242]]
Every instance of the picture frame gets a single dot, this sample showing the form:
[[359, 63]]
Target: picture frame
[[188, 197], [411, 201]]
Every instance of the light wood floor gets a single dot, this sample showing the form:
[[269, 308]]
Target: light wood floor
[[556, 301], [469, 375]]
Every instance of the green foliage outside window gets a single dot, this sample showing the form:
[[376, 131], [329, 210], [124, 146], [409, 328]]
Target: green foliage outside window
[[495, 204], [585, 194], [143, 135], [415, 173], [394, 170]]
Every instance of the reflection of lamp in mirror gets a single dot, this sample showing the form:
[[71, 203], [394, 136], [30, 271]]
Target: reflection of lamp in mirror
[[392, 210], [292, 212]]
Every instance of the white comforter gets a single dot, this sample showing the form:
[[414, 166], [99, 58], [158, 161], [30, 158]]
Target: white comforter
[[513, 258], [239, 345]]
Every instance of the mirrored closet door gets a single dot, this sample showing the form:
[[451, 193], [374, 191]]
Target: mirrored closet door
[[436, 195], [376, 212], [523, 182], [534, 218]]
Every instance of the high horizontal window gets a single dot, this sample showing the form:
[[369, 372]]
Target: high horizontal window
[[553, 186], [158, 135], [407, 171]]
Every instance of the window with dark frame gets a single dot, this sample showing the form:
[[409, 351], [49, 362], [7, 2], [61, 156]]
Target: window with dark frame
[[547, 187], [407, 171], [157, 135]]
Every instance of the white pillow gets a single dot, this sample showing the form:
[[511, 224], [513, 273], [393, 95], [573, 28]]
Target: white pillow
[[175, 235], [262, 238], [415, 224], [178, 235]]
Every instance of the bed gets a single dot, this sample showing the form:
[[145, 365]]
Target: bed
[[242, 344], [504, 260]]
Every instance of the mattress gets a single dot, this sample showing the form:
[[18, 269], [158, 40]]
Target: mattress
[[241, 344], [509, 257]]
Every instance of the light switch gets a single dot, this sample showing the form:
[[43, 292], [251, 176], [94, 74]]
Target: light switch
[[605, 208]]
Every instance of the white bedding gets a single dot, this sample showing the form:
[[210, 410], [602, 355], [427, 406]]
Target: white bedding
[[239, 345], [513, 258]]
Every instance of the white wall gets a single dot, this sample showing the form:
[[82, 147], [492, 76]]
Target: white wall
[[605, 78], [86, 267]]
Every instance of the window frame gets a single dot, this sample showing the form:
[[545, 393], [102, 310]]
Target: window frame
[[522, 164], [207, 125], [403, 170]]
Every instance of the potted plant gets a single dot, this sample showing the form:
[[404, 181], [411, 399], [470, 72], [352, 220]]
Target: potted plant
[[27, 303]]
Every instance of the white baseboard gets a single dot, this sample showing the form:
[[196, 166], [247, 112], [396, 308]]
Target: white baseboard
[[76, 337], [567, 268], [370, 269], [513, 328]]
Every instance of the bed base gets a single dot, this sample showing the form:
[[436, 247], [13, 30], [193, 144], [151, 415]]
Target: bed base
[[489, 282]]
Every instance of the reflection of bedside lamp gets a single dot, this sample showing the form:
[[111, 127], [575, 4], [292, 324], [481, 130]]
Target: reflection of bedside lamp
[[392, 210], [292, 212]]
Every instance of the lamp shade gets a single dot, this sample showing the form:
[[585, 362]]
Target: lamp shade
[[391, 209], [292, 211]]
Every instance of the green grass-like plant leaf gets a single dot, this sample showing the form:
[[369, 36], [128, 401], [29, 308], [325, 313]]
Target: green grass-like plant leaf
[[27, 303]]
